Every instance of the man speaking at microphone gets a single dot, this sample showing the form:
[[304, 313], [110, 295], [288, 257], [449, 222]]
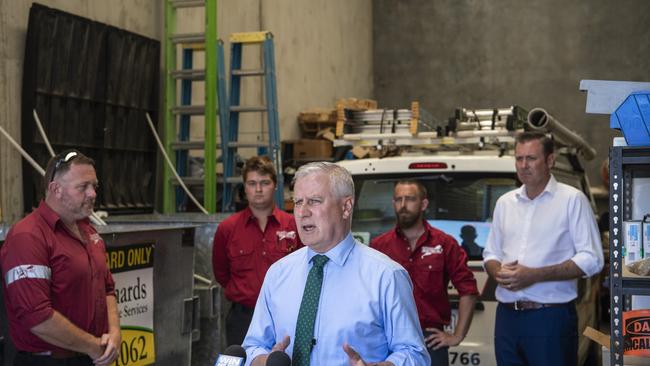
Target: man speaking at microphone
[[335, 302]]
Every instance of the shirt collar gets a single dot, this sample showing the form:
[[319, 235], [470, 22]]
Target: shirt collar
[[51, 217], [550, 189], [248, 214], [427, 229], [48, 214], [339, 254]]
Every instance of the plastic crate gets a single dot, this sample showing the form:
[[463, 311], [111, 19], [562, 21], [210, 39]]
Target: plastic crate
[[632, 118]]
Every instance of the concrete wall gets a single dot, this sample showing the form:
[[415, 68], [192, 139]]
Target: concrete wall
[[323, 52], [484, 54]]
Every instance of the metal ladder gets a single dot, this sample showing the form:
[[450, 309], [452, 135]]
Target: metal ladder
[[176, 137], [230, 127]]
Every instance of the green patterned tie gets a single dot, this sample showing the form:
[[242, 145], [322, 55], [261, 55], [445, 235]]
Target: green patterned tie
[[302, 342]]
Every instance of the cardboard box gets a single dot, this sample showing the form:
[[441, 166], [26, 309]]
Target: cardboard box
[[326, 134], [313, 120], [354, 103], [312, 149]]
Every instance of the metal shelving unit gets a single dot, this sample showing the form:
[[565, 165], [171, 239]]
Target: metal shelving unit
[[625, 164]]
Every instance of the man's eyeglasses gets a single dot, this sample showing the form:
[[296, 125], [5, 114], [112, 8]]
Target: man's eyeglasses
[[63, 160]]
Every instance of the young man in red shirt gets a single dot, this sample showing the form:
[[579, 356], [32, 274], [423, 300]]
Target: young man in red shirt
[[248, 242], [432, 258]]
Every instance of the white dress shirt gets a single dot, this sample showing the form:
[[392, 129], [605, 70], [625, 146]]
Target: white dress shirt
[[556, 225]]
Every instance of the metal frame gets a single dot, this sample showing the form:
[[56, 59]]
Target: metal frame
[[170, 100], [622, 161], [210, 149]]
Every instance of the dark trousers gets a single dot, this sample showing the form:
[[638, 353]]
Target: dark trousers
[[237, 321], [543, 337], [28, 359], [439, 357]]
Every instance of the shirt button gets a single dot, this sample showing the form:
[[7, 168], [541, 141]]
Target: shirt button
[[410, 259], [241, 251], [263, 253], [429, 267], [263, 240]]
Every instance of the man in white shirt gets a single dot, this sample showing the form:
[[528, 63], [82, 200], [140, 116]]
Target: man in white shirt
[[543, 238]]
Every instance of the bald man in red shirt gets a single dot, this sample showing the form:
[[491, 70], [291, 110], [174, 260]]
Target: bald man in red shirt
[[59, 293]]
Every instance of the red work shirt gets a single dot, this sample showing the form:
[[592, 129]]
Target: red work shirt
[[437, 258], [242, 253], [45, 268]]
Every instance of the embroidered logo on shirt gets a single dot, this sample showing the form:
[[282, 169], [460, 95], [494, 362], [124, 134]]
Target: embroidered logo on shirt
[[286, 235], [95, 238], [431, 250], [290, 237]]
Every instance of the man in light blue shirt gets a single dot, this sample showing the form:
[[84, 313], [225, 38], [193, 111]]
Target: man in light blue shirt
[[366, 312]]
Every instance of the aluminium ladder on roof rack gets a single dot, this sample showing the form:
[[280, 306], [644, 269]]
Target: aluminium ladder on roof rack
[[230, 126], [178, 116], [483, 128]]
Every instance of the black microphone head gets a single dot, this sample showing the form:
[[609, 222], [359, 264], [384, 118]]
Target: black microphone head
[[235, 350], [278, 358]]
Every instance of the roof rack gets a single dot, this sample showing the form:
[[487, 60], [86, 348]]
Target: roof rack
[[471, 129]]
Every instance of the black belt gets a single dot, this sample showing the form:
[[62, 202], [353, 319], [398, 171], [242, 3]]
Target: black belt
[[61, 354], [532, 305], [238, 306]]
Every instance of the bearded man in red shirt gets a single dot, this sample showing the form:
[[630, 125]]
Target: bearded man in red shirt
[[432, 258]]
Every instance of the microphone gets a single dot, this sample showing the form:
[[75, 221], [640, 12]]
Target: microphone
[[233, 355], [278, 358]]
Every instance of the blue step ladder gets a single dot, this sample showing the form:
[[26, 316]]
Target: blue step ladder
[[230, 126]]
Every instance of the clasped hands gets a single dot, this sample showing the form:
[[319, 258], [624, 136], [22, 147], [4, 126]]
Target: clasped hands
[[514, 276], [109, 344]]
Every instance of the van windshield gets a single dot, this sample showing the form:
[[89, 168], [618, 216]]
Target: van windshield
[[460, 204]]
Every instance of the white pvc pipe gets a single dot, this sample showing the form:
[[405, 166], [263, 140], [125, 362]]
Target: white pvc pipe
[[171, 166], [540, 120], [93, 216], [43, 135], [23, 152]]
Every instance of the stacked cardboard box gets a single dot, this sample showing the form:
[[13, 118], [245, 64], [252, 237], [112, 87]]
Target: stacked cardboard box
[[317, 126]]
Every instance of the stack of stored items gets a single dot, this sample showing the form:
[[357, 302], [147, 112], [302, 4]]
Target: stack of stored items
[[636, 245], [367, 119], [380, 121], [317, 126], [314, 120]]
